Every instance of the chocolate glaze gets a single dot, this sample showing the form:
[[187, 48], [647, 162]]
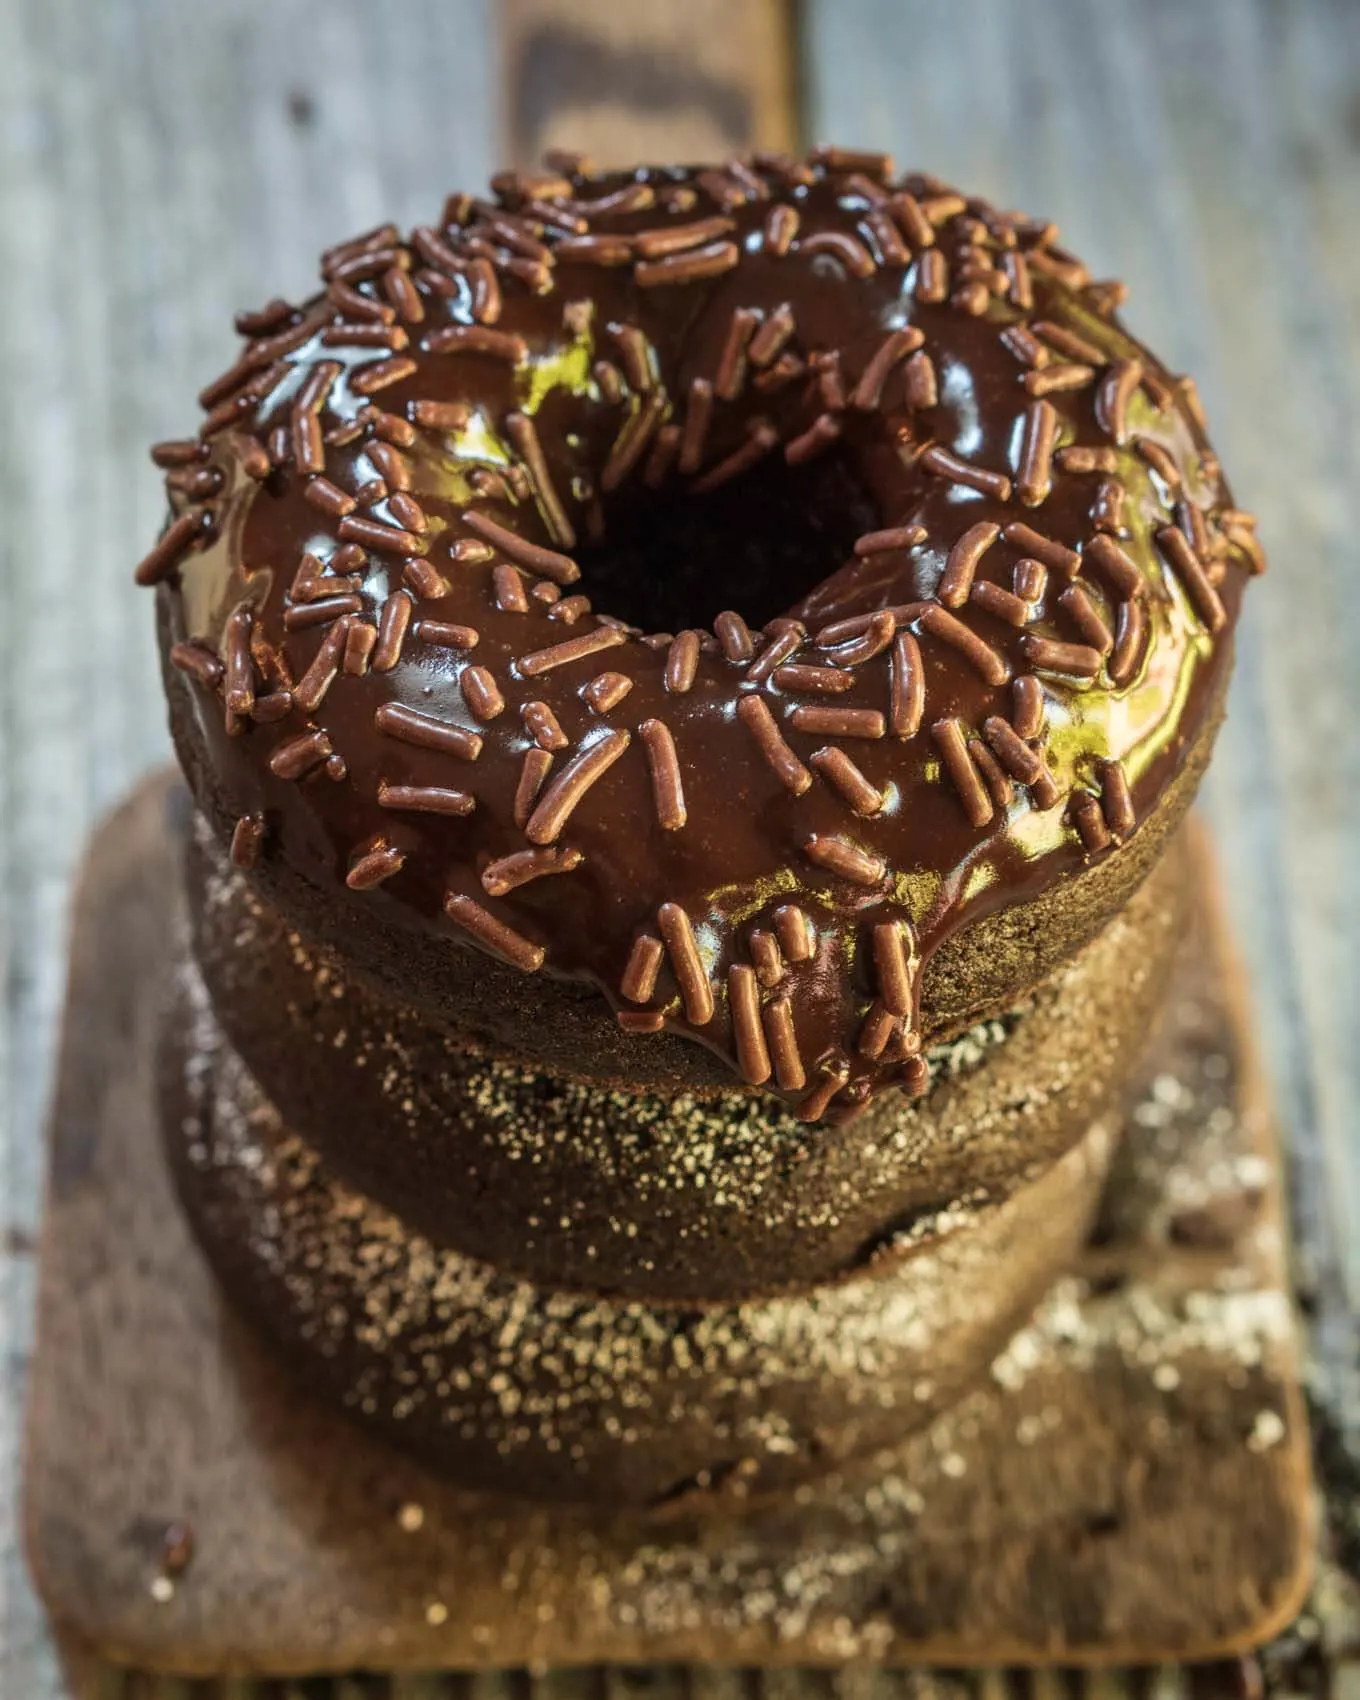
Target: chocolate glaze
[[742, 851]]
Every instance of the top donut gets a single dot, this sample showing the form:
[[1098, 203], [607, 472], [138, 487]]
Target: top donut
[[721, 584]]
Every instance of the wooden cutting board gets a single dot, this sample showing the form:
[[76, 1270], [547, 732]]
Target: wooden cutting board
[[1128, 1482]]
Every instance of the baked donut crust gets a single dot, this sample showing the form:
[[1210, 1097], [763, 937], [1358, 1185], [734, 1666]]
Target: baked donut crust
[[697, 1195], [560, 1394], [413, 689]]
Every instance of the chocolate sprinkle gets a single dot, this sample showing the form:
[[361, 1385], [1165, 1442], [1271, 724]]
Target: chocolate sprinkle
[[1000, 603], [1015, 755], [633, 441], [373, 867], [446, 636], [310, 690], [839, 856], [694, 433], [641, 1020], [1027, 714], [1114, 395], [822, 681], [756, 717], [781, 227], [1117, 800], [1034, 472], [565, 793], [534, 770], [1115, 566], [696, 263], [896, 537], [837, 722], [949, 740], [1089, 821], [481, 693], [795, 933], [410, 726], [246, 840], [606, 691], [761, 438], [373, 534], [743, 994], [731, 373], [319, 612], [783, 1042], [769, 964], [508, 873], [842, 246], [298, 756], [734, 635], [994, 776], [522, 432], [990, 663], [677, 933], [957, 579], [560, 568], [896, 346], [667, 786], [840, 772], [873, 640], [644, 964], [571, 649], [197, 660], [179, 539], [1188, 567], [1046, 549], [542, 726], [493, 934], [892, 965], [946, 465], [1087, 618], [820, 435], [908, 686], [425, 799], [1077, 659], [1061, 377], [238, 683], [768, 342]]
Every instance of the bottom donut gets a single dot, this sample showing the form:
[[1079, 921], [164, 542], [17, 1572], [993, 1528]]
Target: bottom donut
[[504, 1385]]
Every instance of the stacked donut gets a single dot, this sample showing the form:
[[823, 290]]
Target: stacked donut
[[689, 680]]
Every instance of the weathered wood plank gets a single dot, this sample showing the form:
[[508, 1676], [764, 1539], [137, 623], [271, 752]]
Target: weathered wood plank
[[164, 164]]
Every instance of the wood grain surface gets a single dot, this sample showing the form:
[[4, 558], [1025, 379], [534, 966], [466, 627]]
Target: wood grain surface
[[162, 163]]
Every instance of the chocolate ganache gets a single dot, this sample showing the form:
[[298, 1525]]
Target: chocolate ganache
[[716, 584]]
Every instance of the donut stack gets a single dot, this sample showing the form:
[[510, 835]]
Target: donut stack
[[689, 679]]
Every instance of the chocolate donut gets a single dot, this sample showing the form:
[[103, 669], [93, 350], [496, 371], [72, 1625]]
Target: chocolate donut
[[558, 1394], [780, 598], [696, 1195]]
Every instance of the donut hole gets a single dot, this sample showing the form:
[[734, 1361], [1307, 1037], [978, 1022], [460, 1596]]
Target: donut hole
[[670, 559]]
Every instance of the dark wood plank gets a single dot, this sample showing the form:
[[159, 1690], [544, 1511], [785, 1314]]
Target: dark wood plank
[[648, 79]]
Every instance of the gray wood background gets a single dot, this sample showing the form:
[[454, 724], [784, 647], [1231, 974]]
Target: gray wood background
[[164, 162]]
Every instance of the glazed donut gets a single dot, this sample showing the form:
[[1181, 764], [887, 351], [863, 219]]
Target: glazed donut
[[553, 1394], [779, 597], [697, 1195]]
